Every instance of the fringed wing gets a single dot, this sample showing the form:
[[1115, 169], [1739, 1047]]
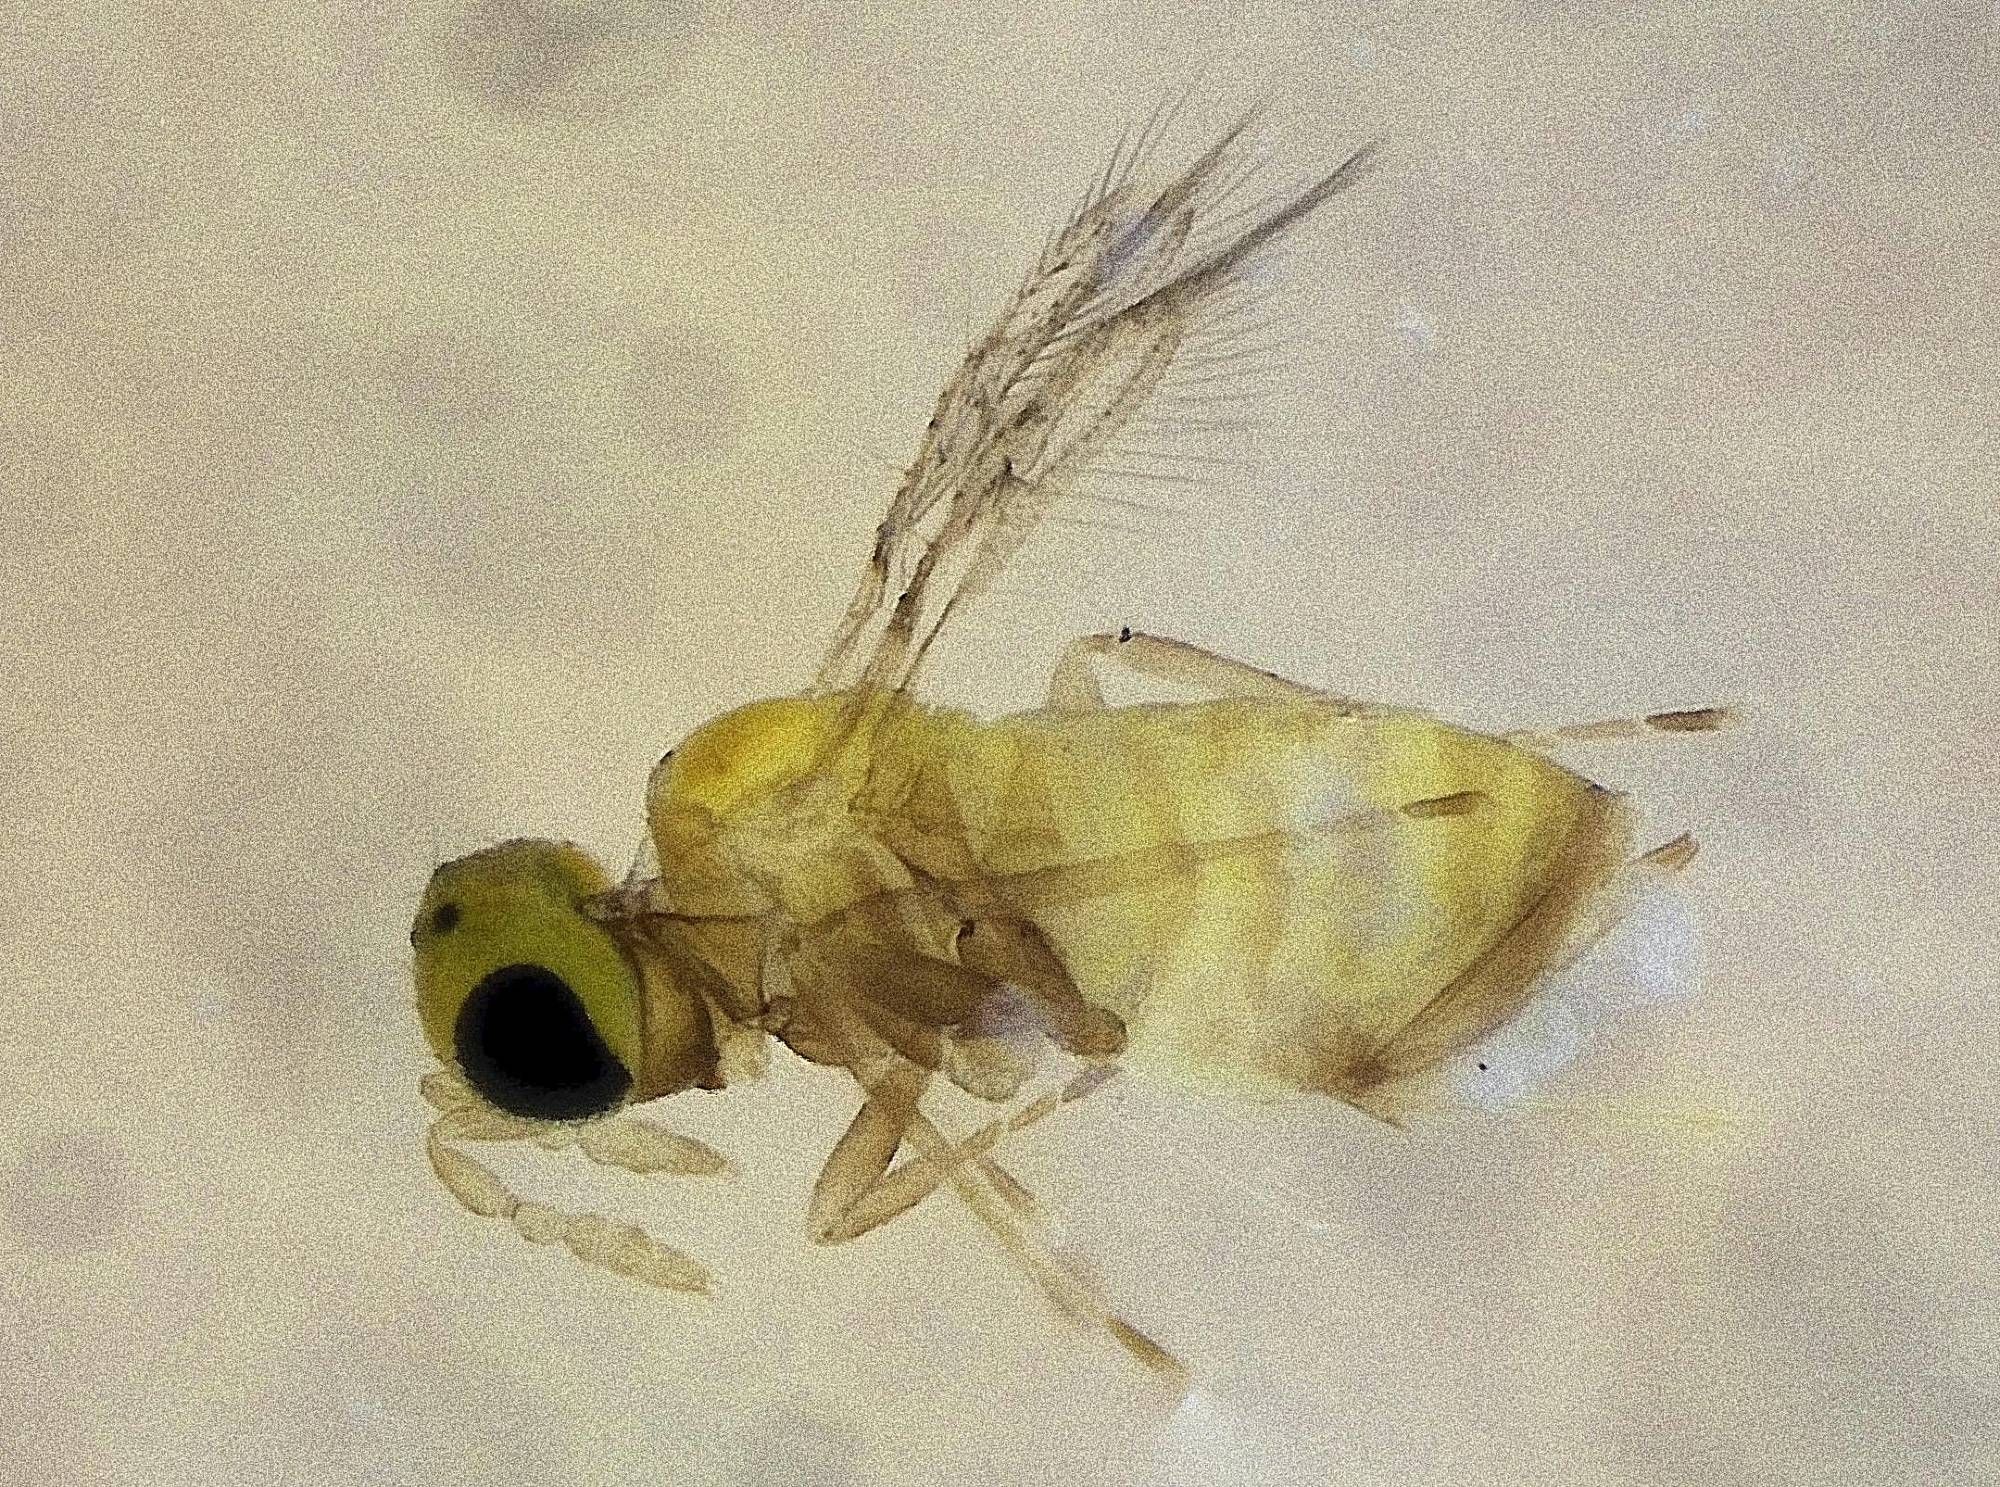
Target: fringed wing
[[1119, 292]]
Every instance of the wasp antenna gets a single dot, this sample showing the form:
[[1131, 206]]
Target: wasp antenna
[[623, 1249], [628, 1250], [472, 1183], [445, 1089], [642, 1146]]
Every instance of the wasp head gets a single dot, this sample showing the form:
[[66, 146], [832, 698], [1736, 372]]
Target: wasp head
[[549, 1013]]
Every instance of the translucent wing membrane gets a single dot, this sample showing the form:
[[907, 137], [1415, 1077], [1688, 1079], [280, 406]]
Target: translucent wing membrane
[[1119, 293]]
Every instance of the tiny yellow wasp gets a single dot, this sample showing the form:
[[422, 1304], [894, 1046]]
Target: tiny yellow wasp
[[1262, 885]]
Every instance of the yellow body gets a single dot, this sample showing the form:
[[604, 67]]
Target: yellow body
[[1279, 891], [1241, 882]]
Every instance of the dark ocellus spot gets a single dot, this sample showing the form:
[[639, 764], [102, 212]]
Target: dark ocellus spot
[[444, 919], [526, 1044]]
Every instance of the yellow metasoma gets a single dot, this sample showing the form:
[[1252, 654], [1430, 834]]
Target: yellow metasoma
[[1252, 885]]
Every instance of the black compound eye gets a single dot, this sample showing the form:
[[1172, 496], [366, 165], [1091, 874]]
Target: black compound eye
[[525, 1043]]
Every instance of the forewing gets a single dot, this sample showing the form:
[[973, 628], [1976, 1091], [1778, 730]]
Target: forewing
[[1135, 276]]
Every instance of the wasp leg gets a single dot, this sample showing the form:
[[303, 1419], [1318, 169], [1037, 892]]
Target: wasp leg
[[1607, 730], [1615, 900], [1620, 893], [862, 1154], [997, 1201], [992, 952], [824, 1025], [885, 1195], [855, 1191], [1586, 894], [1073, 686]]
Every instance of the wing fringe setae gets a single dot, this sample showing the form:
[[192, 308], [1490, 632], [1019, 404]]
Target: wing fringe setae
[[1115, 296]]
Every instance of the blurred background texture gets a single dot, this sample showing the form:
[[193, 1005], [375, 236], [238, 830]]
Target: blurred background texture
[[413, 421]]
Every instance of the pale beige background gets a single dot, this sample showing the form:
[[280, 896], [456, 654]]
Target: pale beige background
[[409, 426]]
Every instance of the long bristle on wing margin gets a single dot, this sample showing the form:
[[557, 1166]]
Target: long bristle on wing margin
[[1091, 333]]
